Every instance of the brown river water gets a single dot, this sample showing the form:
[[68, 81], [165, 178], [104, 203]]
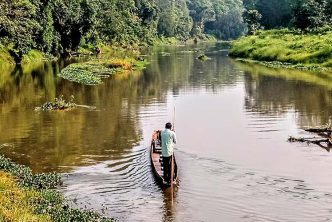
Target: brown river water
[[232, 123]]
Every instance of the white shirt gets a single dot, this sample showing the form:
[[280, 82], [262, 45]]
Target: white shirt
[[168, 139]]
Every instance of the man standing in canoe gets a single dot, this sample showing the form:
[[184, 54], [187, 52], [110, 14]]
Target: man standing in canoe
[[168, 139]]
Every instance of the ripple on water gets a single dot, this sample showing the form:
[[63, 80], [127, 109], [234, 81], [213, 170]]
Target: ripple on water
[[248, 194], [125, 183]]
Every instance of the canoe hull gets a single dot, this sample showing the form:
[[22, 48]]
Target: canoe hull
[[156, 164]]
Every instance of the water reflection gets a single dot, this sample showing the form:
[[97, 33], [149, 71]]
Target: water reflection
[[61, 140], [55, 140], [276, 91], [170, 202], [232, 122]]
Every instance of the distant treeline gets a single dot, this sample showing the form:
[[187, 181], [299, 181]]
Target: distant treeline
[[61, 26], [306, 15]]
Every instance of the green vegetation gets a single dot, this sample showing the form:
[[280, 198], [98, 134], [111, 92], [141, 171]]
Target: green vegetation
[[84, 73], [58, 104], [304, 43], [92, 72], [304, 15], [15, 201], [28, 197], [33, 56], [5, 57], [302, 50], [59, 27]]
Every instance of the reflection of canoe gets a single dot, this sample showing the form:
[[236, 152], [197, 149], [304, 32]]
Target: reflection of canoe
[[156, 163]]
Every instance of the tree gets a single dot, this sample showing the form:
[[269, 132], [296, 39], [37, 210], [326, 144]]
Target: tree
[[275, 13], [174, 19], [249, 4], [201, 12], [71, 20], [228, 23], [252, 18], [310, 14], [18, 26]]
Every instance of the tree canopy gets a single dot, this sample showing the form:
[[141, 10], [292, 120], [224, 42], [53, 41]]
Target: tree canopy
[[60, 26]]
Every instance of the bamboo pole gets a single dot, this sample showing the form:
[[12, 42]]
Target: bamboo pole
[[172, 160]]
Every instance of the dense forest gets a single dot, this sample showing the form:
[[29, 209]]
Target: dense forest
[[305, 15], [60, 26]]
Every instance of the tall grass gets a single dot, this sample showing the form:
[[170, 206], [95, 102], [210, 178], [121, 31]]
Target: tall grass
[[286, 46]]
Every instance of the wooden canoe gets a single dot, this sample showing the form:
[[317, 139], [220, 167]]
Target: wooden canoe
[[156, 163]]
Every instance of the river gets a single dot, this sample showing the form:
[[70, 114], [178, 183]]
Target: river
[[232, 122]]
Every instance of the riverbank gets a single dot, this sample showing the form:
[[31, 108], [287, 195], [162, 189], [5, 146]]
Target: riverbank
[[115, 51], [287, 49], [172, 41], [33, 197], [32, 56], [36, 56]]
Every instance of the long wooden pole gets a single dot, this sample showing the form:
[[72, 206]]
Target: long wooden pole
[[172, 159], [174, 120]]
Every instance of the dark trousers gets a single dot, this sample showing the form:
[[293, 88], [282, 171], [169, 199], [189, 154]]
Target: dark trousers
[[167, 161]]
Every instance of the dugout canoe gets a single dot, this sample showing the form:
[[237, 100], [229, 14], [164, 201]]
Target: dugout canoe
[[157, 165]]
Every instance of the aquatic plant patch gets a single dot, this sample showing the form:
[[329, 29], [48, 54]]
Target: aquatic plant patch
[[92, 72], [277, 65], [84, 73], [15, 202], [33, 197]]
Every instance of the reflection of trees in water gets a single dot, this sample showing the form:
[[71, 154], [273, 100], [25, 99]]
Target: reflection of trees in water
[[183, 70], [272, 95], [214, 74], [47, 140]]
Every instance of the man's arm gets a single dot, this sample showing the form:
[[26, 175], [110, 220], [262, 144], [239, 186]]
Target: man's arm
[[174, 138]]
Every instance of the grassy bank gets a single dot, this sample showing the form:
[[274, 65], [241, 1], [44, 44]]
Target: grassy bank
[[290, 48], [172, 41], [32, 56], [33, 197]]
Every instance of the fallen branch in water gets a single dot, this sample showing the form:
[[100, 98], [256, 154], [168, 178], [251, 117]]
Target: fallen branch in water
[[324, 132], [324, 143]]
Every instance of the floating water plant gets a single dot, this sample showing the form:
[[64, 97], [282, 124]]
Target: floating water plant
[[86, 73], [58, 104], [92, 72]]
